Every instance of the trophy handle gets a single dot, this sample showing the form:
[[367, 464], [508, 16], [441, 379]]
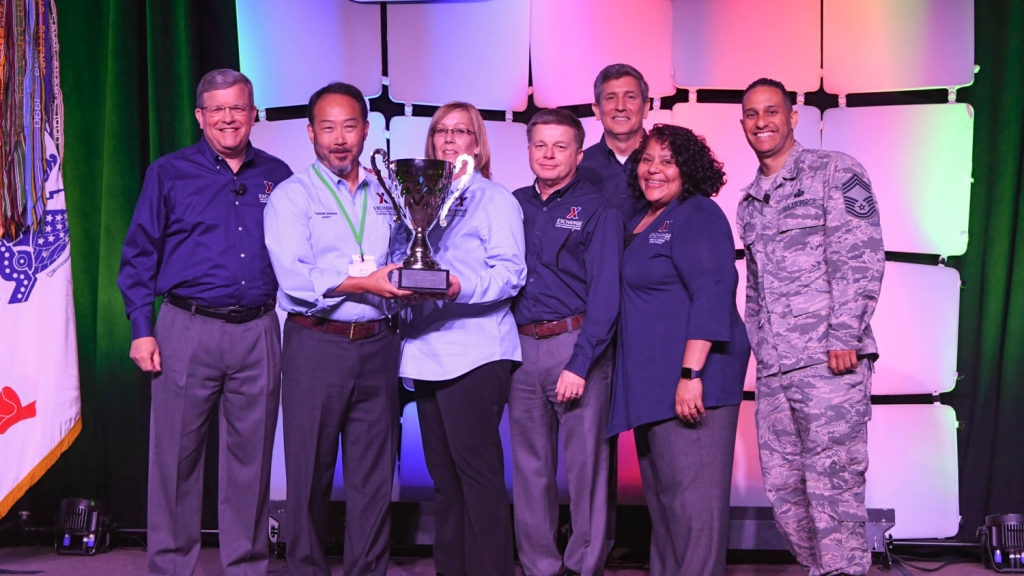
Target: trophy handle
[[470, 166], [380, 178]]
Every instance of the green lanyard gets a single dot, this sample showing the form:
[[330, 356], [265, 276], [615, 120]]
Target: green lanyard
[[362, 223]]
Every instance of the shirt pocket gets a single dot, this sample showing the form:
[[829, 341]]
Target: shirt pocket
[[561, 249], [802, 237]]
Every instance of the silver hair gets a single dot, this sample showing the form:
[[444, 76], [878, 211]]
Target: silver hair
[[616, 71], [220, 79]]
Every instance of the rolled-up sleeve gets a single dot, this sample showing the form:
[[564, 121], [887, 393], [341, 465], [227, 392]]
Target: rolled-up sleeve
[[504, 270], [141, 255], [706, 262], [288, 236]]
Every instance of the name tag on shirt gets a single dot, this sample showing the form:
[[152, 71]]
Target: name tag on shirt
[[362, 265]]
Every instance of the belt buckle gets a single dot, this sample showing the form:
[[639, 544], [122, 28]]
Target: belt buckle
[[236, 317], [352, 331]]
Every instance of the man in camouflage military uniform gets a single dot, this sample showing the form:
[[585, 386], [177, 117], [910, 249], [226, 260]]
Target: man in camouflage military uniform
[[813, 244]]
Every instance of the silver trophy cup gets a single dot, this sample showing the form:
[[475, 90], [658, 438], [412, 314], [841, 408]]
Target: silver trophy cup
[[421, 192]]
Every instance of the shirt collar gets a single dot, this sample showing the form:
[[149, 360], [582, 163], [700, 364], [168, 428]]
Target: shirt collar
[[561, 191], [759, 186], [609, 153], [213, 156], [363, 175]]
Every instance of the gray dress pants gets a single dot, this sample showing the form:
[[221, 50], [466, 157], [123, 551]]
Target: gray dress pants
[[537, 420], [686, 471], [208, 363], [333, 385]]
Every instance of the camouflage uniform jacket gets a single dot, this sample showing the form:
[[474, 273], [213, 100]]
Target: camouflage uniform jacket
[[815, 260]]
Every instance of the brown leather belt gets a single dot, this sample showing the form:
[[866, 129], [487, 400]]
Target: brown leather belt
[[554, 328], [350, 330]]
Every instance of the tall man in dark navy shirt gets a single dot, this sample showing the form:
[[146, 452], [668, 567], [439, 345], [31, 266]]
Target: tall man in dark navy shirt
[[621, 102], [197, 239], [566, 315]]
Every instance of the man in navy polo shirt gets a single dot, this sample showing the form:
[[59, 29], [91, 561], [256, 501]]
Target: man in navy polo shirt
[[621, 103], [197, 239], [566, 316]]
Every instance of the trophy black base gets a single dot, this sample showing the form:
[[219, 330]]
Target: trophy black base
[[420, 280]]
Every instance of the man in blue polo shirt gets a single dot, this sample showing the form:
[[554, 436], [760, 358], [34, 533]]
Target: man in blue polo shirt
[[621, 103], [197, 238], [566, 316]]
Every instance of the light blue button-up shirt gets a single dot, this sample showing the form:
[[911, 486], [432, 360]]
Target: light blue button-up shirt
[[311, 244], [483, 247]]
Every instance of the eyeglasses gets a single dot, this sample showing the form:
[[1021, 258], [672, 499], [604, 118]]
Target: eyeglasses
[[457, 132], [220, 110]]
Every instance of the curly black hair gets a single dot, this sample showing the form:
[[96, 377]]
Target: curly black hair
[[702, 173]]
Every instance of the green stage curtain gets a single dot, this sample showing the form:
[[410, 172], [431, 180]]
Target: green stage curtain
[[129, 70], [989, 400]]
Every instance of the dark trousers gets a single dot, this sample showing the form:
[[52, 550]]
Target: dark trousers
[[209, 364], [537, 420], [687, 476], [459, 423], [333, 385]]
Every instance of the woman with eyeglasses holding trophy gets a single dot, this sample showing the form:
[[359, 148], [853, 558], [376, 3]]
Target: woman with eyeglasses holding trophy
[[459, 348]]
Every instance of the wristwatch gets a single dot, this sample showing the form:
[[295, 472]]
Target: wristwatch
[[690, 374]]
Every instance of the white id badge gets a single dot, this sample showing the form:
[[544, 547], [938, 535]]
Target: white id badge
[[362, 265]]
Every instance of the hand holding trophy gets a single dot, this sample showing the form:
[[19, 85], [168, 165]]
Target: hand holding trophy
[[421, 192]]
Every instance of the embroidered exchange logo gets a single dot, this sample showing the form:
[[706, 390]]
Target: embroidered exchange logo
[[572, 220], [661, 235], [265, 195]]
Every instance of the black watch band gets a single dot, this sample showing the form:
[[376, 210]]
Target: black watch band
[[690, 374]]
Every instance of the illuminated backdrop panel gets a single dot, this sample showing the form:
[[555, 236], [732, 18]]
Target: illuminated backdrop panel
[[882, 45], [572, 40], [919, 161], [290, 49], [719, 124], [478, 52], [713, 42]]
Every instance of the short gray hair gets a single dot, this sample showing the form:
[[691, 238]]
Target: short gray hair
[[221, 79], [616, 71], [558, 117]]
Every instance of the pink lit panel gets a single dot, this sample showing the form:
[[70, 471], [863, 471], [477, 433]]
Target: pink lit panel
[[572, 40], [919, 161], [915, 326], [913, 467], [510, 165], [720, 126], [478, 52], [291, 49], [726, 44], [289, 141], [882, 46]]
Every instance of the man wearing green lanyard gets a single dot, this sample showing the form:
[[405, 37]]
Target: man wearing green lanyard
[[327, 230]]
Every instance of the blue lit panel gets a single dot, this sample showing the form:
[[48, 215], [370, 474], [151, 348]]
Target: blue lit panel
[[720, 126], [572, 40], [478, 52], [722, 43], [291, 49]]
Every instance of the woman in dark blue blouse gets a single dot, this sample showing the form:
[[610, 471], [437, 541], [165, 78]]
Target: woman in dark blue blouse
[[682, 350]]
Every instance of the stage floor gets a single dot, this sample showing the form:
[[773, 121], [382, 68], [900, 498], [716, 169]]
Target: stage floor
[[131, 562]]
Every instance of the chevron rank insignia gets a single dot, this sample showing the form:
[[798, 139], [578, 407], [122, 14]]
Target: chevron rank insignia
[[859, 201]]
